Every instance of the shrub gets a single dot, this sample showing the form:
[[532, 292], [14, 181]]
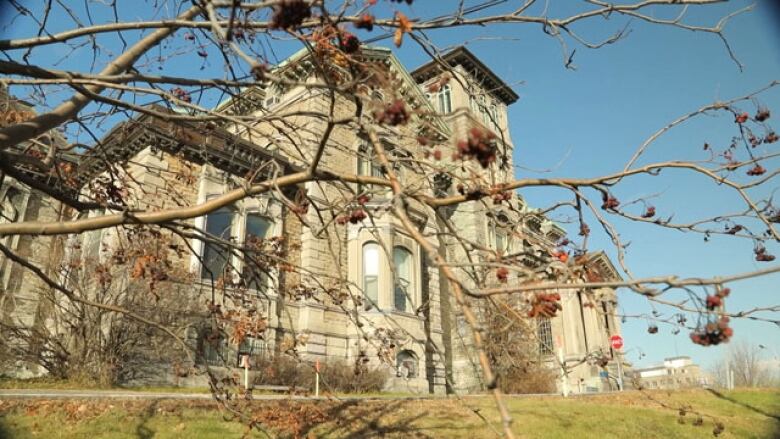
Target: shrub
[[335, 375]]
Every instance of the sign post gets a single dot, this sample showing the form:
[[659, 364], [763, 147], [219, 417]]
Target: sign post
[[616, 342], [317, 378], [245, 365]]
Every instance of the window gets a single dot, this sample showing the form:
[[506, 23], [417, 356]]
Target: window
[[215, 256], [406, 364], [445, 100], [502, 240], [367, 166], [500, 233], [214, 347], [258, 228], [403, 287], [12, 208], [494, 116], [544, 335], [371, 273]]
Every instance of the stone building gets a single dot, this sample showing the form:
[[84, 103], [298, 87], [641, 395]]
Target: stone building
[[674, 373], [406, 311]]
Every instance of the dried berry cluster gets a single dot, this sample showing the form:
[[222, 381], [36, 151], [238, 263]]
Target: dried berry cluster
[[290, 14], [652, 329], [181, 94], [762, 255], [762, 115], [354, 217], [480, 145], [609, 202], [756, 170], [394, 114], [649, 212], [408, 2], [734, 230], [741, 118], [716, 300], [561, 256], [349, 43], [545, 305], [713, 333], [584, 229], [366, 21], [501, 197], [502, 274]]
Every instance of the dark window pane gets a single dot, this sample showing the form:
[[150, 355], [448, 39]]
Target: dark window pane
[[255, 271], [402, 259], [215, 257]]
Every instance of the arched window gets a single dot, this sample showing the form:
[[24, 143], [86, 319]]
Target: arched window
[[406, 364], [371, 273], [445, 100], [215, 257], [403, 287]]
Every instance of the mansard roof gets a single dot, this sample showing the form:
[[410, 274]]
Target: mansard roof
[[463, 57]]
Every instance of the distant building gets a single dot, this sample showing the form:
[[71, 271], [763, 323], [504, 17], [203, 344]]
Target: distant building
[[673, 373]]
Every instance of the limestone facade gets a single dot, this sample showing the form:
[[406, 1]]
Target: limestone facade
[[405, 310]]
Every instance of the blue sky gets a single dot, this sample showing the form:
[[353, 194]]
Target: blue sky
[[589, 121]]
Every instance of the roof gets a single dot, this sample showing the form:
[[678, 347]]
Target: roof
[[462, 56], [196, 141], [604, 265]]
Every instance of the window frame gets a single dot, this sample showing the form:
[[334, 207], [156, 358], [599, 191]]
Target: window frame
[[444, 96], [409, 291], [212, 184], [371, 302], [544, 336], [265, 278], [12, 242]]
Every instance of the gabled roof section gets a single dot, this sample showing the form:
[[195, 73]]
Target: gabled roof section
[[300, 64], [604, 266], [462, 56], [198, 142]]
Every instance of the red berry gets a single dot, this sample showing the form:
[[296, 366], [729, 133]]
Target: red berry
[[741, 118], [502, 274]]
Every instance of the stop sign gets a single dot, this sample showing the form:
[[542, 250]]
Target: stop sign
[[616, 341]]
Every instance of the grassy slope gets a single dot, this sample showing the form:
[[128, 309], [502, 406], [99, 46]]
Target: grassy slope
[[49, 383], [610, 416]]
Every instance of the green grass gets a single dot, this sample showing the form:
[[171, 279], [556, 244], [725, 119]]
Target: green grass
[[745, 414], [46, 383]]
